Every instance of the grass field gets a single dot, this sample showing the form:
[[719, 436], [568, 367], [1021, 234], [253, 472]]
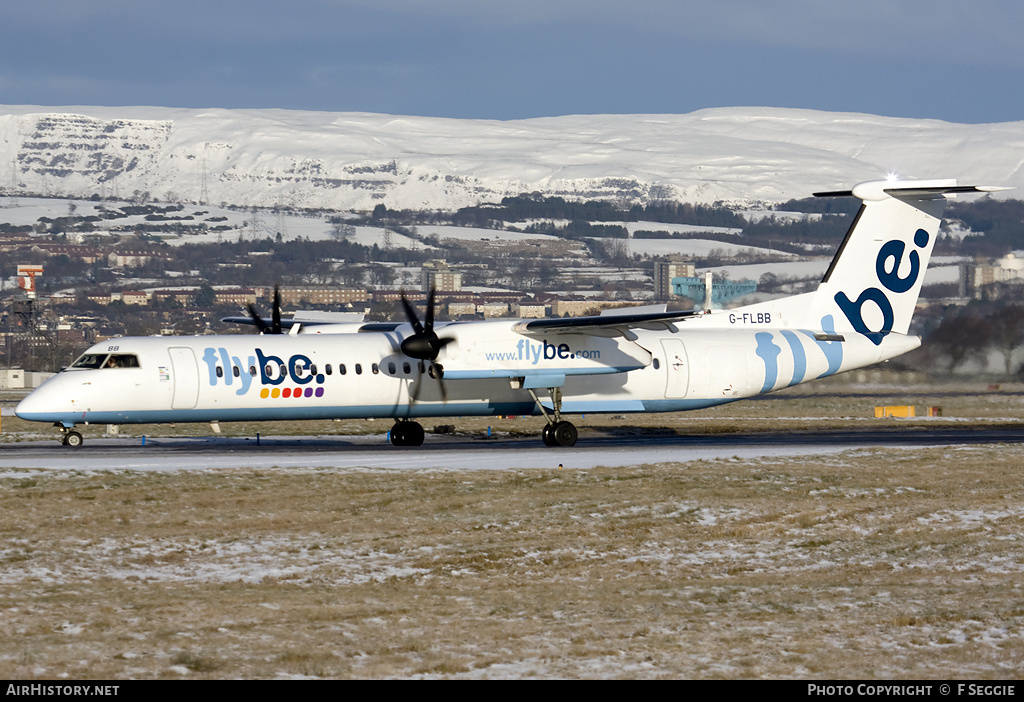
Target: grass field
[[869, 563]]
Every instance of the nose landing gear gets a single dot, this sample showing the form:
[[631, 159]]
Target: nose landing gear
[[69, 437]]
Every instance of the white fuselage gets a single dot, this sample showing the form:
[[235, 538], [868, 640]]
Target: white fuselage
[[490, 369]]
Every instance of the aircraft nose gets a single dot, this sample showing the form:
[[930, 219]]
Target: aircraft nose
[[31, 405], [42, 402]]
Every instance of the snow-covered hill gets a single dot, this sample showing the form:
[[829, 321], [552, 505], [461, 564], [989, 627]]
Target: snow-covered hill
[[356, 160]]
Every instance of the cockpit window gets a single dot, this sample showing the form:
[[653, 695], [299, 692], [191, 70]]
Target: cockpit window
[[122, 360], [90, 360]]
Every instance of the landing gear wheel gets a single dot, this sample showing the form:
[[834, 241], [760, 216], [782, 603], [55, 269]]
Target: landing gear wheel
[[407, 434], [548, 435], [564, 434], [72, 439]]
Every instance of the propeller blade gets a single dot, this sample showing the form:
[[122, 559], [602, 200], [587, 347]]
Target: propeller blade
[[424, 344], [257, 319], [276, 313], [410, 314], [430, 309], [437, 372]]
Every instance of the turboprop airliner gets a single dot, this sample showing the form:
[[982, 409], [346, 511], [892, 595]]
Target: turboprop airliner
[[633, 360]]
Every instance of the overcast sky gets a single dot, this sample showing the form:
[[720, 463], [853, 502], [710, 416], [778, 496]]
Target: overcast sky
[[951, 60]]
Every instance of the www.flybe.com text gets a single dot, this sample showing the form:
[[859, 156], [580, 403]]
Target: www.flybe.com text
[[533, 353]]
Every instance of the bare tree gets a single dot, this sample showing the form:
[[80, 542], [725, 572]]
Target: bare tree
[[1007, 331]]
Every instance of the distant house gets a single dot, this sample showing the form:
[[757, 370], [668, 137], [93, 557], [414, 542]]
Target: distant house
[[235, 296], [665, 271], [315, 294], [438, 276], [100, 298], [492, 309], [186, 297], [975, 275], [134, 297], [580, 306], [86, 253], [132, 259], [458, 309], [529, 308]]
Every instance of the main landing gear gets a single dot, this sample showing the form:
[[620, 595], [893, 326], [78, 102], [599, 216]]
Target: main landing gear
[[69, 437], [557, 431], [559, 434], [406, 433]]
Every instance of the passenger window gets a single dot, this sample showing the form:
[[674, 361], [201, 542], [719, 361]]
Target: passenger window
[[236, 371], [220, 372], [391, 368], [252, 371], [312, 369], [359, 369], [342, 369], [284, 370], [269, 370], [406, 368], [327, 369], [375, 368], [657, 364]]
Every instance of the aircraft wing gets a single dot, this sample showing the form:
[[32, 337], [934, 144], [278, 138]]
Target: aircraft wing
[[314, 326], [610, 323], [285, 323]]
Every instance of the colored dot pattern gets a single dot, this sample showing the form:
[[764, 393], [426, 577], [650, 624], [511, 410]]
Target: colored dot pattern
[[295, 393]]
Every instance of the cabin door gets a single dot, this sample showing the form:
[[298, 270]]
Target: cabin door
[[677, 368], [185, 374]]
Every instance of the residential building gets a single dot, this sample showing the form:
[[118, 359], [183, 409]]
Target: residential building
[[438, 276], [131, 259], [529, 308], [976, 275], [664, 271], [315, 294]]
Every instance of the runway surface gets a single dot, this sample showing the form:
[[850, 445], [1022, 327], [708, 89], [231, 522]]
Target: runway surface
[[475, 452]]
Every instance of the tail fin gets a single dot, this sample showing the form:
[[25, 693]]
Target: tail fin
[[875, 278]]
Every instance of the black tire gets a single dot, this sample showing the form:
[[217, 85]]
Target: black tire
[[398, 434], [547, 434], [73, 439], [407, 434], [414, 434], [564, 434]]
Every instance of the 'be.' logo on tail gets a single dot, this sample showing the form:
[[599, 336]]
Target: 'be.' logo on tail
[[889, 277]]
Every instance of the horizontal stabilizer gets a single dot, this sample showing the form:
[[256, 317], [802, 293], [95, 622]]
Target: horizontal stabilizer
[[877, 190]]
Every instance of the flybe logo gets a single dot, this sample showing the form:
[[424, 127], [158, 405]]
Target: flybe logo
[[271, 370], [534, 353], [887, 266]]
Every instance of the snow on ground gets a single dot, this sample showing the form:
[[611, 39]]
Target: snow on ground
[[634, 227], [695, 248], [367, 452], [941, 269], [443, 232]]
